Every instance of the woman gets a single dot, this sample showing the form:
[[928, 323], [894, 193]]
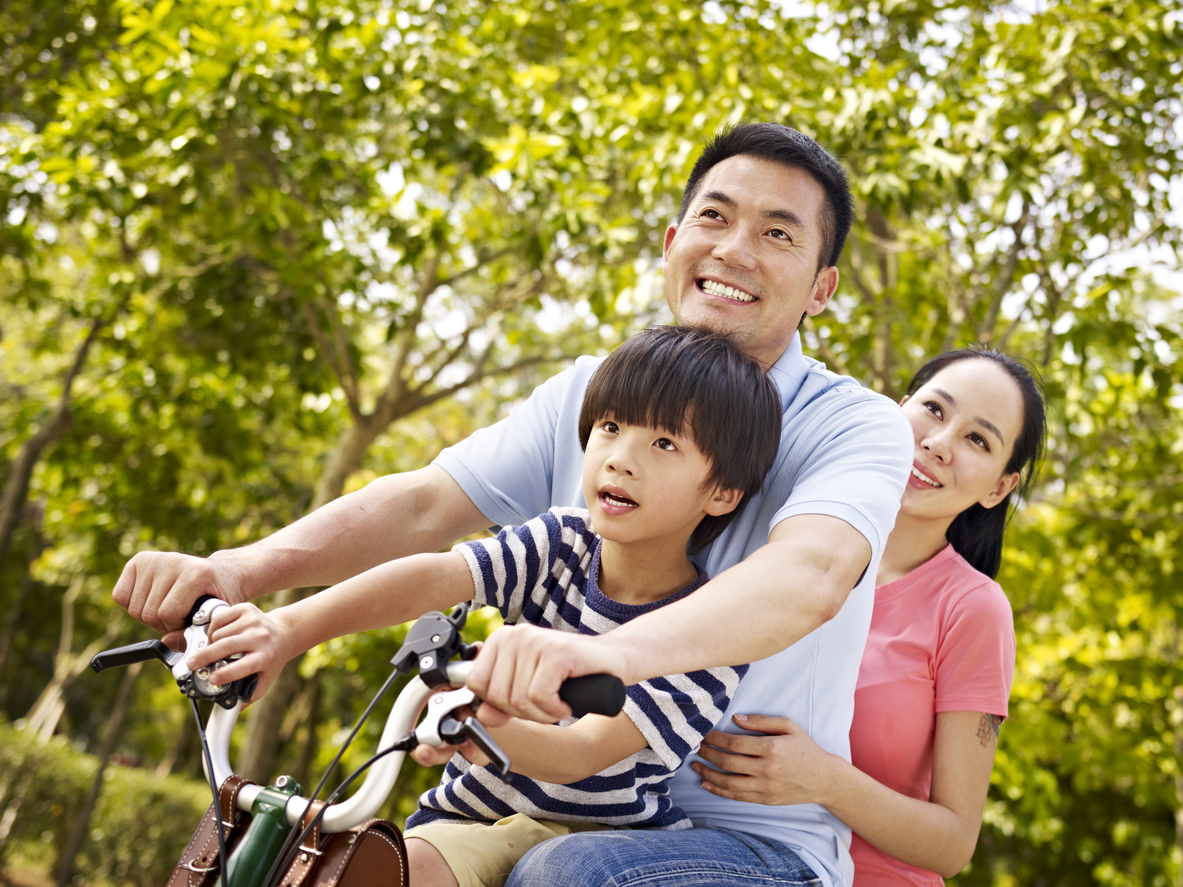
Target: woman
[[936, 674]]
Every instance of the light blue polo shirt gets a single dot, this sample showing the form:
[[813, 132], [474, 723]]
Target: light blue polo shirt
[[845, 452]]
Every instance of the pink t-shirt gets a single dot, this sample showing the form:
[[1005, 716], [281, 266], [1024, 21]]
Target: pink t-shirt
[[942, 639]]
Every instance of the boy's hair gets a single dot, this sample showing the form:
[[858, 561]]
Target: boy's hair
[[672, 377]]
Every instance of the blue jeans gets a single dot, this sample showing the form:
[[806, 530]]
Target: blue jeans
[[697, 857]]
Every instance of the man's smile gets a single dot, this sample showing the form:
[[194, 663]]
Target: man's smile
[[723, 291]]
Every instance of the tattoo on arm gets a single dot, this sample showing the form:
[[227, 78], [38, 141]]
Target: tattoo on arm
[[988, 729]]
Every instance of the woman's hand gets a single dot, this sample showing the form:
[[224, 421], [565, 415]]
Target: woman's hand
[[260, 637], [784, 766]]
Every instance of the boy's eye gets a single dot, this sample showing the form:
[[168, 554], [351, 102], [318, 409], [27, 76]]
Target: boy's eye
[[664, 443], [610, 427]]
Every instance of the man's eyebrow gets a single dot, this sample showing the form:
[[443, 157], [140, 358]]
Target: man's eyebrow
[[985, 423], [718, 197], [783, 215]]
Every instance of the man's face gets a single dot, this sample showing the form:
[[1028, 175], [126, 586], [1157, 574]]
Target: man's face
[[744, 258]]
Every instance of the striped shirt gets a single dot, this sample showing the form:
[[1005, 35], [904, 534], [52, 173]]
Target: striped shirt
[[544, 573]]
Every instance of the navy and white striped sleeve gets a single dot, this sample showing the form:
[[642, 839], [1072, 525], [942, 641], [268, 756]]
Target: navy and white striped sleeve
[[674, 713], [507, 567]]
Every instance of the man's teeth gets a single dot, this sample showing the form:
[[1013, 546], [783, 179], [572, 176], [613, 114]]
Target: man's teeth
[[927, 480], [617, 500], [727, 292]]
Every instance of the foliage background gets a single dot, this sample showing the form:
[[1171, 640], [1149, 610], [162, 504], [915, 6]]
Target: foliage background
[[256, 253]]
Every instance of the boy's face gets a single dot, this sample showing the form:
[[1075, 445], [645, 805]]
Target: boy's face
[[644, 484]]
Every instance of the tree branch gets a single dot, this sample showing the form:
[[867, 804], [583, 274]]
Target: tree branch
[[341, 370], [17, 488]]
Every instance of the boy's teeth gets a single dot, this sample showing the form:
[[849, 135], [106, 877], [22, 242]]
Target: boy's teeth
[[927, 480], [727, 292], [616, 500]]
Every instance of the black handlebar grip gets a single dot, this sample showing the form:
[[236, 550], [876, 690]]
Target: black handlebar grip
[[141, 652], [597, 694]]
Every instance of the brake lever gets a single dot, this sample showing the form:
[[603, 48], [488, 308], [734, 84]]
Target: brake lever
[[456, 732], [440, 727], [132, 653], [195, 685]]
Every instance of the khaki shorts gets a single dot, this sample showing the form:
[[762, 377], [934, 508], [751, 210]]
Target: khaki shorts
[[482, 854]]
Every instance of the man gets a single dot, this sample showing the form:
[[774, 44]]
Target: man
[[762, 223]]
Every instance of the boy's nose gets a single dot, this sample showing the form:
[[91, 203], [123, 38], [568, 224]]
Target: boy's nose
[[620, 465], [621, 458]]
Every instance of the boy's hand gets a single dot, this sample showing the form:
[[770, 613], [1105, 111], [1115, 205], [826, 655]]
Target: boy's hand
[[431, 756], [245, 629]]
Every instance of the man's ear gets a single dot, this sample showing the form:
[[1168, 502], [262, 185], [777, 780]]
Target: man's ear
[[1006, 483], [824, 287], [723, 501], [665, 247]]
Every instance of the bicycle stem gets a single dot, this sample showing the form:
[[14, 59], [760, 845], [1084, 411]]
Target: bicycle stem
[[379, 781]]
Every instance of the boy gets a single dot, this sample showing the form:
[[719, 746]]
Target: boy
[[678, 427]]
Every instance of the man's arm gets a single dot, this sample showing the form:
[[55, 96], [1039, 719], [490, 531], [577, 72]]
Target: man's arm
[[775, 597], [391, 517]]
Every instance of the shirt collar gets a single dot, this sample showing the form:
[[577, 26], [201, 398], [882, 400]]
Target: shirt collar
[[789, 371]]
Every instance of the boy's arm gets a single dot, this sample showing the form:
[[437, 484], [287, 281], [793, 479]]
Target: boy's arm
[[563, 755], [389, 594]]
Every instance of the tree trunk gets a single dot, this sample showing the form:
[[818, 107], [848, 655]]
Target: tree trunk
[[1177, 653], [303, 768], [67, 666], [114, 726], [12, 503], [183, 753], [12, 807], [262, 738], [36, 512]]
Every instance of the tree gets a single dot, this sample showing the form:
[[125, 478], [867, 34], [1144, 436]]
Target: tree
[[317, 241]]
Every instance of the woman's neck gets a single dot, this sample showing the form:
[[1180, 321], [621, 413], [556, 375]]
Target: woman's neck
[[912, 542], [642, 574]]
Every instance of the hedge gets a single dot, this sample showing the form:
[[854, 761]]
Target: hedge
[[140, 825]]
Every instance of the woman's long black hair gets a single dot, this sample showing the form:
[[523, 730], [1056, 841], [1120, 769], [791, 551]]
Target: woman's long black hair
[[976, 533]]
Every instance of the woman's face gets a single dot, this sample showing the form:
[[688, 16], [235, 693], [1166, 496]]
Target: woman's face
[[964, 420]]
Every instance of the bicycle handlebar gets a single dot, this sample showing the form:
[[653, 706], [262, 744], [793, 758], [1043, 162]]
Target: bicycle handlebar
[[430, 646], [599, 694], [594, 694]]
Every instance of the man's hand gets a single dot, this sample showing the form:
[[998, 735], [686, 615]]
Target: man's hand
[[521, 667], [159, 589], [784, 766]]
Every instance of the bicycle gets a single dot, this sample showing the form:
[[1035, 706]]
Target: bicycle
[[286, 830]]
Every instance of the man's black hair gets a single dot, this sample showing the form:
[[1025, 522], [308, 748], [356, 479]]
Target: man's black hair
[[675, 377], [779, 144]]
